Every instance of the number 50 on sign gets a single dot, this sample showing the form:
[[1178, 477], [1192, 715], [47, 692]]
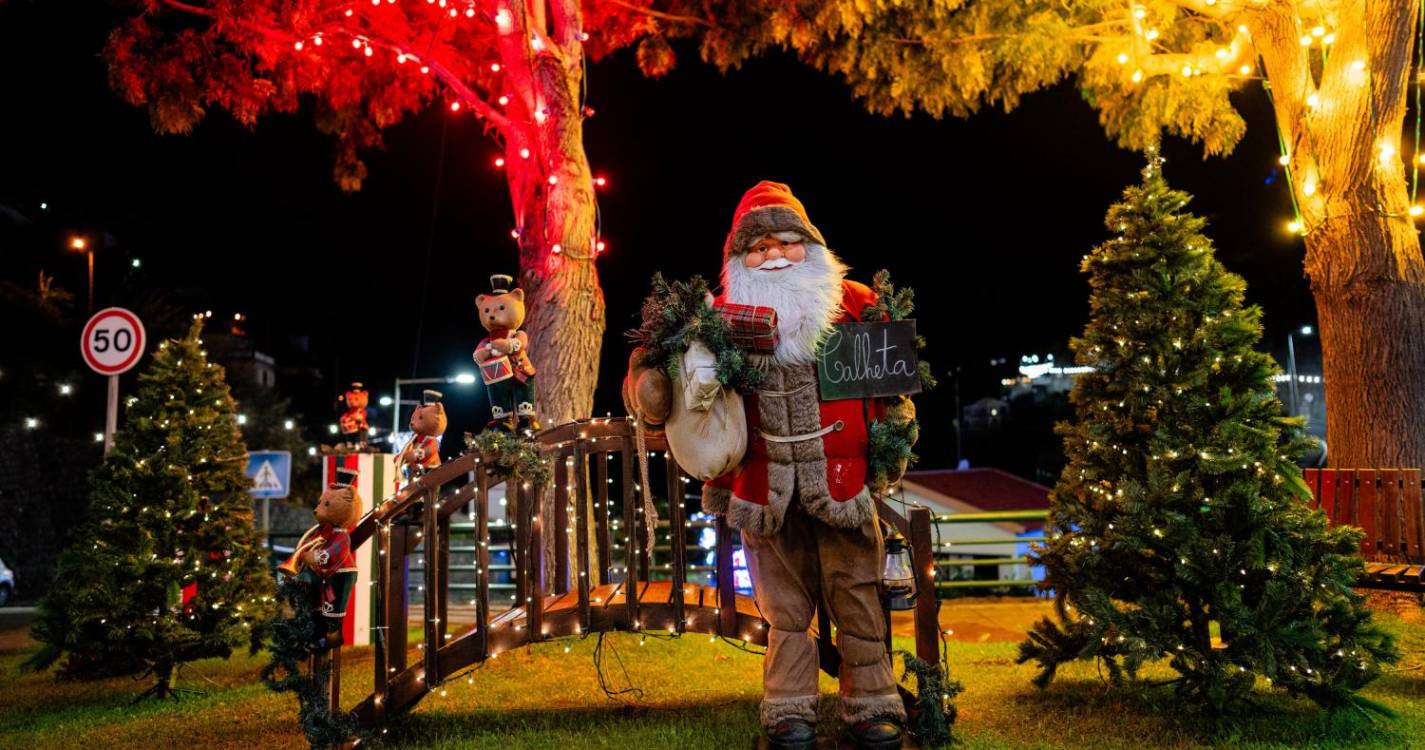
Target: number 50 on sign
[[113, 341]]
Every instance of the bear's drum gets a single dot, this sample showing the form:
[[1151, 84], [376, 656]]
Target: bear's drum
[[496, 370]]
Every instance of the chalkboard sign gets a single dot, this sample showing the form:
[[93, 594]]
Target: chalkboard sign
[[867, 360]]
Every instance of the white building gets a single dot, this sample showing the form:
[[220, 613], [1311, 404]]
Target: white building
[[984, 490]]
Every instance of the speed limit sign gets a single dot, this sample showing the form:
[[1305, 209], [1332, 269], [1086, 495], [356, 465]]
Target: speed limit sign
[[113, 341]]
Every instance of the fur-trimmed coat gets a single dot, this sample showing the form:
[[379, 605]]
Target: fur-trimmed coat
[[828, 473]]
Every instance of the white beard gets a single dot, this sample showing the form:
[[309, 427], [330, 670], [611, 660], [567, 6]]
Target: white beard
[[807, 298]]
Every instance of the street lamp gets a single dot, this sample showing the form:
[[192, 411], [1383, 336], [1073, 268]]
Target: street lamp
[[81, 245], [462, 378]]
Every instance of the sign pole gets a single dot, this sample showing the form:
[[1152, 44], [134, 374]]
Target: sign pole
[[111, 417]]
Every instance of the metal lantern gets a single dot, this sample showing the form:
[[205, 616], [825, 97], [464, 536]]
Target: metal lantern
[[898, 576]]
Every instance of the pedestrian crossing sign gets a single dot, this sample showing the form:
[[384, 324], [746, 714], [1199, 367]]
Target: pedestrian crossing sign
[[271, 473]]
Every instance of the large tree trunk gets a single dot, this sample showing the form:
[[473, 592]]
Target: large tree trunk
[[1342, 122], [553, 191], [1366, 276]]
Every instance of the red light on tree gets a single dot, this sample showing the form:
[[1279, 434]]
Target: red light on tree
[[182, 58]]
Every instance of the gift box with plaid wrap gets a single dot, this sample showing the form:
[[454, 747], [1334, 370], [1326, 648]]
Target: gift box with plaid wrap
[[754, 327]]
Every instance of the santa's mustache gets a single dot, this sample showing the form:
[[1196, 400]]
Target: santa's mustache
[[772, 264]]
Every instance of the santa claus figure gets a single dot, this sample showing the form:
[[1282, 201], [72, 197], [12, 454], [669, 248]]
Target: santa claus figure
[[800, 495]]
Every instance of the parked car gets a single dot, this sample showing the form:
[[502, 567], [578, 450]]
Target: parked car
[[7, 583]]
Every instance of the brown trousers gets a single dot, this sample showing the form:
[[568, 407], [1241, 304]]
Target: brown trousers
[[790, 569]]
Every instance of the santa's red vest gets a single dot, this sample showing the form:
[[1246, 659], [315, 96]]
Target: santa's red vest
[[803, 446]]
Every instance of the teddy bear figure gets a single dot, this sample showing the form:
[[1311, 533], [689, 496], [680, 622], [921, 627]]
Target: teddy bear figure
[[353, 421], [503, 357], [428, 423], [324, 559]]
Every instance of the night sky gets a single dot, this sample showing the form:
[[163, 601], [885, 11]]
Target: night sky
[[987, 218]]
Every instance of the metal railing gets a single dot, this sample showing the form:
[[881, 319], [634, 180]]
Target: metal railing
[[943, 549]]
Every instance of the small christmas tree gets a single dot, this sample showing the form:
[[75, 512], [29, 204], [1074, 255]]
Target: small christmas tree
[[167, 568], [1179, 528]]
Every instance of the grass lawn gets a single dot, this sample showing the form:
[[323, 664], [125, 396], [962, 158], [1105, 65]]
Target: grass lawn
[[696, 694]]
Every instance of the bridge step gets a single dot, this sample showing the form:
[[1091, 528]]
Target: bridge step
[[1394, 576]]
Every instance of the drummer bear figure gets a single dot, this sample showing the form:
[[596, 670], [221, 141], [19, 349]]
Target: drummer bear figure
[[428, 423], [503, 357]]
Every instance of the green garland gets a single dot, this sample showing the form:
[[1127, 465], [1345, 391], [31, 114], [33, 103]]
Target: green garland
[[291, 647], [935, 711], [674, 315], [897, 304], [889, 452], [516, 458]]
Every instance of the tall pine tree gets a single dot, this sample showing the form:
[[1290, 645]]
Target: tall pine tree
[[167, 568], [1178, 529]]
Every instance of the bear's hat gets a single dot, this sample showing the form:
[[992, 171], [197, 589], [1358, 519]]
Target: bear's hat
[[501, 283], [431, 397], [345, 477]]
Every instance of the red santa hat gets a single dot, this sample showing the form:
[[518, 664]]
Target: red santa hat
[[767, 208]]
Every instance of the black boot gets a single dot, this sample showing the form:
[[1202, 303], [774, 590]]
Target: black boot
[[527, 423], [792, 734], [877, 734], [506, 423]]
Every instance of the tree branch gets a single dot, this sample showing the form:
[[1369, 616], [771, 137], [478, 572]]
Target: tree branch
[[1276, 39], [518, 59], [660, 15], [468, 96], [1076, 32], [1221, 10], [1220, 61], [567, 22], [539, 24]]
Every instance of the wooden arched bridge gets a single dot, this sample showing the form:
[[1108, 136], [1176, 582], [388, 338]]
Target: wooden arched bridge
[[593, 574]]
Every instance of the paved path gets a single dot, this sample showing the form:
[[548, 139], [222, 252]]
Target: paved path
[[982, 619]]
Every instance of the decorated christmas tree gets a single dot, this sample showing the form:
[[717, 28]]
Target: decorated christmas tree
[[167, 568], [1179, 529]]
